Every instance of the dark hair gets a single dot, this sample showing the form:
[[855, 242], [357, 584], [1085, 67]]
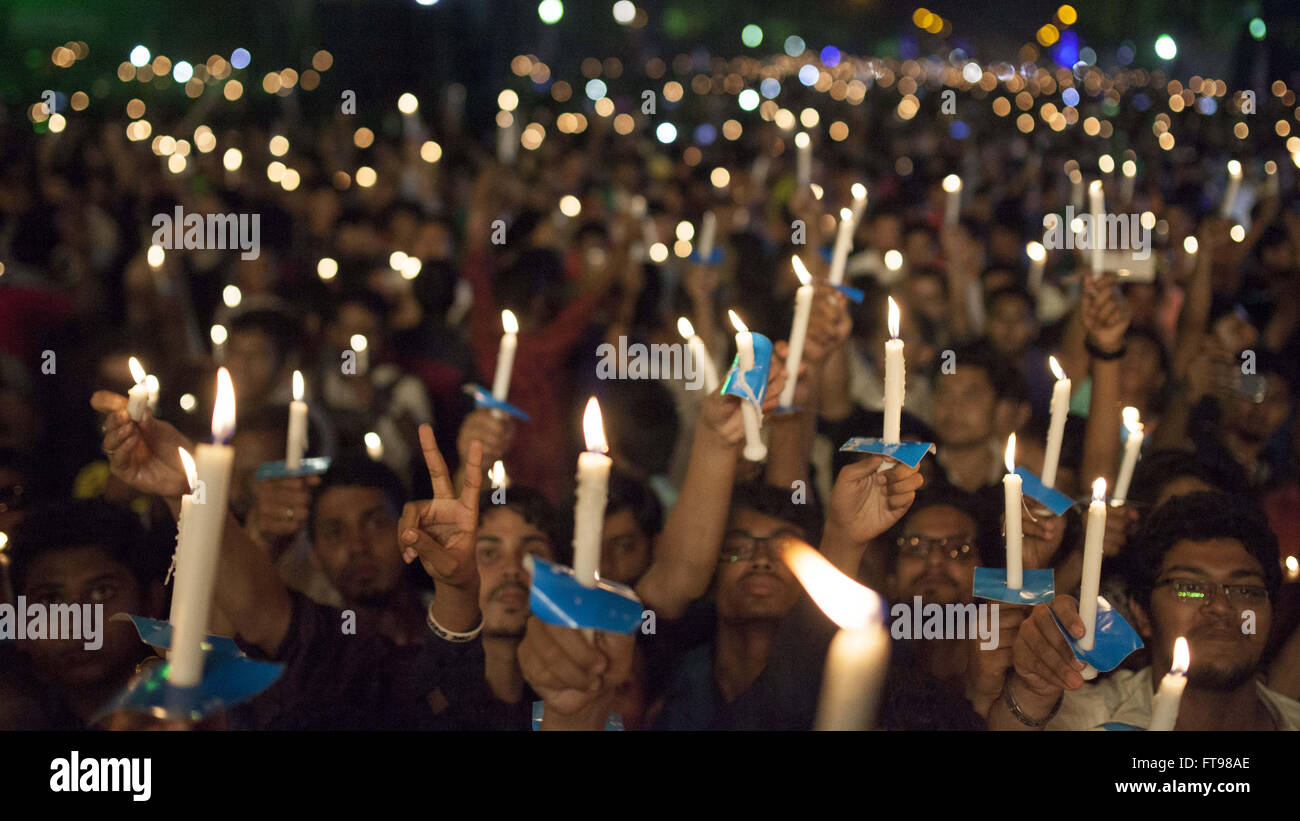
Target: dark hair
[[73, 523], [777, 503], [358, 470], [1006, 381], [369, 300], [537, 511], [943, 494], [1200, 517], [1013, 292], [627, 493], [1157, 470], [278, 325]]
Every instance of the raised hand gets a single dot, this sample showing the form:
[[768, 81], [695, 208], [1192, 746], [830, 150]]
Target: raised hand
[[441, 531], [721, 420], [495, 431], [865, 503], [1105, 314], [829, 325], [280, 508], [1043, 657], [1043, 533], [142, 454], [574, 676], [987, 671]]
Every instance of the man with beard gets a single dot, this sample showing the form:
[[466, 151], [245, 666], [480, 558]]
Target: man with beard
[[1204, 567]]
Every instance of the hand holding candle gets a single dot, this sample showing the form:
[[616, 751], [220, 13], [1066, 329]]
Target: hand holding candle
[[1011, 488], [1164, 706], [1097, 206], [798, 331], [1056, 430], [755, 450], [1090, 584]]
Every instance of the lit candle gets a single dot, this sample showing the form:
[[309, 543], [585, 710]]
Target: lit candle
[[218, 336], [6, 587], [151, 382], [699, 353], [1132, 452], [361, 347], [1056, 430], [1270, 179], [297, 442], [708, 230], [804, 143], [755, 450], [1130, 170], [505, 355], [1096, 199], [843, 244], [1164, 706], [374, 446], [952, 208], [802, 310], [1011, 490], [895, 374], [1090, 584], [507, 137], [1037, 261], [497, 475], [187, 503], [138, 397], [1292, 565], [196, 569], [858, 656], [1190, 247], [593, 493], [1076, 189], [859, 202], [1234, 185]]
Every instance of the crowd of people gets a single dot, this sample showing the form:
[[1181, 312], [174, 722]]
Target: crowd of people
[[410, 537]]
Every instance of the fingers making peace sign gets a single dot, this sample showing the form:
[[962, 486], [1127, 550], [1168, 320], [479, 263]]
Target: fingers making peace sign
[[441, 531]]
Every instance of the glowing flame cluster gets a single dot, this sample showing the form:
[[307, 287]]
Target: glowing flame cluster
[[593, 427]]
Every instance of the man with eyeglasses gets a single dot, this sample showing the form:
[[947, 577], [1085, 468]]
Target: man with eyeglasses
[[1205, 567]]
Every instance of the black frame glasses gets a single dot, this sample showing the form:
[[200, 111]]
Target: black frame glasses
[[919, 547], [738, 546], [1203, 592]]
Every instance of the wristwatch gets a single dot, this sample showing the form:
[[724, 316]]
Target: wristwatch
[[1010, 701]]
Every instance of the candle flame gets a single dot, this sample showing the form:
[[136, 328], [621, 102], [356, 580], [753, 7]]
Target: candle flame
[[685, 328], [593, 427], [191, 472], [894, 319], [498, 474], [223, 413], [800, 271], [359, 342], [1010, 455], [952, 183], [137, 370], [1076, 176], [1190, 245], [151, 382], [374, 446], [1129, 168], [1182, 657], [1099, 490], [1094, 186], [1234, 168], [1292, 565], [846, 214], [859, 191], [816, 189], [736, 323], [802, 140], [298, 387], [508, 322], [1131, 419], [843, 600], [1036, 251], [1056, 368], [893, 260]]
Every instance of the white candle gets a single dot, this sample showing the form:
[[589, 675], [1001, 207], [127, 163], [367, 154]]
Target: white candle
[[505, 355], [1164, 706], [699, 353], [155, 388], [708, 230], [1270, 179], [952, 208], [197, 564], [593, 493], [361, 347], [507, 137], [755, 450], [1130, 170], [1076, 189], [858, 657], [218, 336], [1132, 452], [137, 398], [1011, 490], [187, 504], [296, 444], [1037, 261], [798, 330], [843, 244], [1096, 199], [1090, 584], [1056, 430], [859, 192], [895, 375], [804, 143], [1234, 185], [374, 446]]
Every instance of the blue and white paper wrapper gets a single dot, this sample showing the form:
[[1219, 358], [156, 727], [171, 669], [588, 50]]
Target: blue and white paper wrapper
[[714, 258], [1050, 498], [613, 721], [556, 597], [278, 470], [1037, 586], [229, 678], [752, 384], [1114, 640], [855, 294], [909, 453], [483, 398]]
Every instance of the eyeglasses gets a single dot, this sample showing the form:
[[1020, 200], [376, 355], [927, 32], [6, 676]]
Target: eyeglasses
[[1239, 595], [919, 547], [741, 547]]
